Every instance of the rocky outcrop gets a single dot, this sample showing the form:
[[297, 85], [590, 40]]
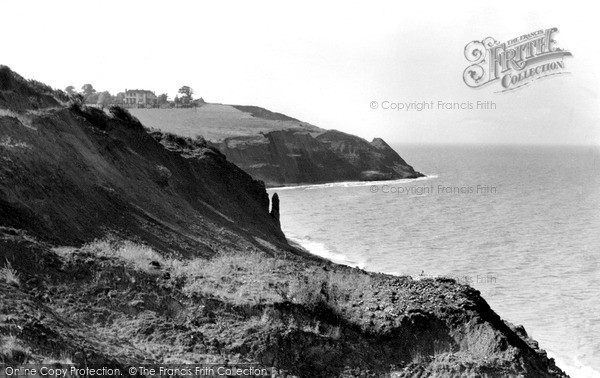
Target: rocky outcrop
[[375, 160], [286, 157], [275, 207]]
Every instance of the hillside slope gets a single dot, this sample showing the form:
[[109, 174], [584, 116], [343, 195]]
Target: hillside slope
[[69, 175], [120, 247], [280, 150]]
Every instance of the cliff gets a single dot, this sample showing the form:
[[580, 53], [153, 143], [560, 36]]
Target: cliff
[[280, 150], [287, 157], [120, 246], [69, 175]]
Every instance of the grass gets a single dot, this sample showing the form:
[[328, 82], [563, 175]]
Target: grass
[[241, 279], [10, 275], [256, 278], [64, 358], [11, 350], [136, 254], [245, 279], [214, 121], [417, 357], [334, 288]]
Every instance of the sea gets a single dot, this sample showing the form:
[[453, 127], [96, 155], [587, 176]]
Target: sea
[[521, 224]]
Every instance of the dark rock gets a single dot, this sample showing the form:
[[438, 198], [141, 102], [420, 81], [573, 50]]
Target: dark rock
[[275, 207]]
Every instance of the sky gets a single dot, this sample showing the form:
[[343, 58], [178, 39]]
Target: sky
[[325, 63]]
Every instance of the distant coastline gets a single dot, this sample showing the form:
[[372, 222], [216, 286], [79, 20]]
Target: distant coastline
[[280, 150]]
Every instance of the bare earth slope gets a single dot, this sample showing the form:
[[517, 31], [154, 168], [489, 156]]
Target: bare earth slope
[[120, 247], [280, 150], [120, 179]]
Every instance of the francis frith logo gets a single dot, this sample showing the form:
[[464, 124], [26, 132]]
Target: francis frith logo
[[515, 63]]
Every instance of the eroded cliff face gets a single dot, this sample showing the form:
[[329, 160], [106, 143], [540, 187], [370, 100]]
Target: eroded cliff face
[[288, 157], [71, 175], [120, 246], [95, 306], [372, 161]]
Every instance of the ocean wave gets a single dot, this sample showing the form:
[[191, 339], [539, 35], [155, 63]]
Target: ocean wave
[[575, 368], [321, 250], [351, 184]]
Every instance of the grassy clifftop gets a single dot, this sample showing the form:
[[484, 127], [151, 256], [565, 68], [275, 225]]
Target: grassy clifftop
[[280, 150], [216, 122]]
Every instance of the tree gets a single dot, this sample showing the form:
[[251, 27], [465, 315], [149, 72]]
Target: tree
[[104, 99], [198, 102], [92, 99], [70, 90], [119, 98], [187, 92], [88, 90], [89, 94], [77, 100], [162, 99]]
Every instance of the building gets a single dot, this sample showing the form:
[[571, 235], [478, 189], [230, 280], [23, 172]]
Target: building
[[139, 97]]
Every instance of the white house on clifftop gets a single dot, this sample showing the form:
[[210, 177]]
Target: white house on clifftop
[[139, 97]]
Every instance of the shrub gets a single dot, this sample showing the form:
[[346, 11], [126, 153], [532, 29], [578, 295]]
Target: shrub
[[12, 350], [40, 87], [252, 278], [63, 358], [177, 140], [308, 291], [137, 254], [94, 116], [199, 141], [6, 78], [76, 102], [332, 288], [163, 174], [345, 286], [62, 96], [9, 275], [241, 278], [124, 116], [180, 141]]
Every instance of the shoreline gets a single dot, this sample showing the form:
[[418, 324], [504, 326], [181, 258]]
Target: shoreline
[[575, 369], [349, 183]]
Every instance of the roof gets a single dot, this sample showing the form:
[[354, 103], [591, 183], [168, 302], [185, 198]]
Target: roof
[[130, 91]]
